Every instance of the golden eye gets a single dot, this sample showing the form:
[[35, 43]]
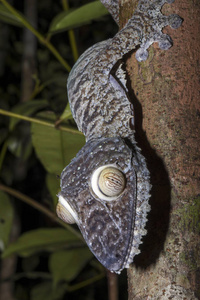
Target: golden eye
[[65, 212], [108, 182], [111, 182]]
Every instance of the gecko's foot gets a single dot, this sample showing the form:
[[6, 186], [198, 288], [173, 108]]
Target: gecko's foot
[[154, 22]]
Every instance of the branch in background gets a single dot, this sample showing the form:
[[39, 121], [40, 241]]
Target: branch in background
[[71, 34], [112, 286], [75, 287], [47, 276], [39, 207], [29, 52], [39, 36], [41, 122]]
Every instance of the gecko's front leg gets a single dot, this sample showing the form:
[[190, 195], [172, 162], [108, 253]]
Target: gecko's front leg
[[99, 105]]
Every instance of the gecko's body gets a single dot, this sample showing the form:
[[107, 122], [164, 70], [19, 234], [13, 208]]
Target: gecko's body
[[111, 223], [98, 99]]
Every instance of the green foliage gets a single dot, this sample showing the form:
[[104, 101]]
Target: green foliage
[[55, 148], [66, 265], [7, 17], [27, 109], [75, 18], [53, 185], [41, 239], [19, 143], [66, 113], [38, 138], [46, 291]]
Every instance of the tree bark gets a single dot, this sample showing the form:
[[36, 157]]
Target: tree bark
[[167, 112]]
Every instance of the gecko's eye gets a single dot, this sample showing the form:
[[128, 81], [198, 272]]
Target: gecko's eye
[[65, 212], [108, 182]]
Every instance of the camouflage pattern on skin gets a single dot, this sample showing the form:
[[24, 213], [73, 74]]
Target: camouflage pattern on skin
[[100, 105]]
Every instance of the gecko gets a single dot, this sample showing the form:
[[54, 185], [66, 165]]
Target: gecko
[[105, 189]]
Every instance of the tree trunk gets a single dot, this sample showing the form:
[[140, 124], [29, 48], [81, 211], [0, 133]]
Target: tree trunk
[[166, 92]]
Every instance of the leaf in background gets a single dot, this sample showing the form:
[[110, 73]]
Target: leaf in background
[[44, 291], [26, 109], [41, 240], [6, 219], [20, 144], [55, 148], [30, 263], [66, 113], [74, 18], [7, 17], [66, 265], [53, 184]]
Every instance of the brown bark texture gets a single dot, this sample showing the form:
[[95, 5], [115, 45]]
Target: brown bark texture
[[167, 114]]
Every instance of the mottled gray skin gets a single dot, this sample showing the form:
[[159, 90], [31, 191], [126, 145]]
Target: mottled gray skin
[[103, 112], [112, 229], [113, 8], [98, 101]]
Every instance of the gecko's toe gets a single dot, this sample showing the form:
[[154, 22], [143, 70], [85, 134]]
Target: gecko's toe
[[165, 42], [141, 54], [169, 1], [175, 21]]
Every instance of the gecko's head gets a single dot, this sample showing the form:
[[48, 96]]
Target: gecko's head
[[99, 191]]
